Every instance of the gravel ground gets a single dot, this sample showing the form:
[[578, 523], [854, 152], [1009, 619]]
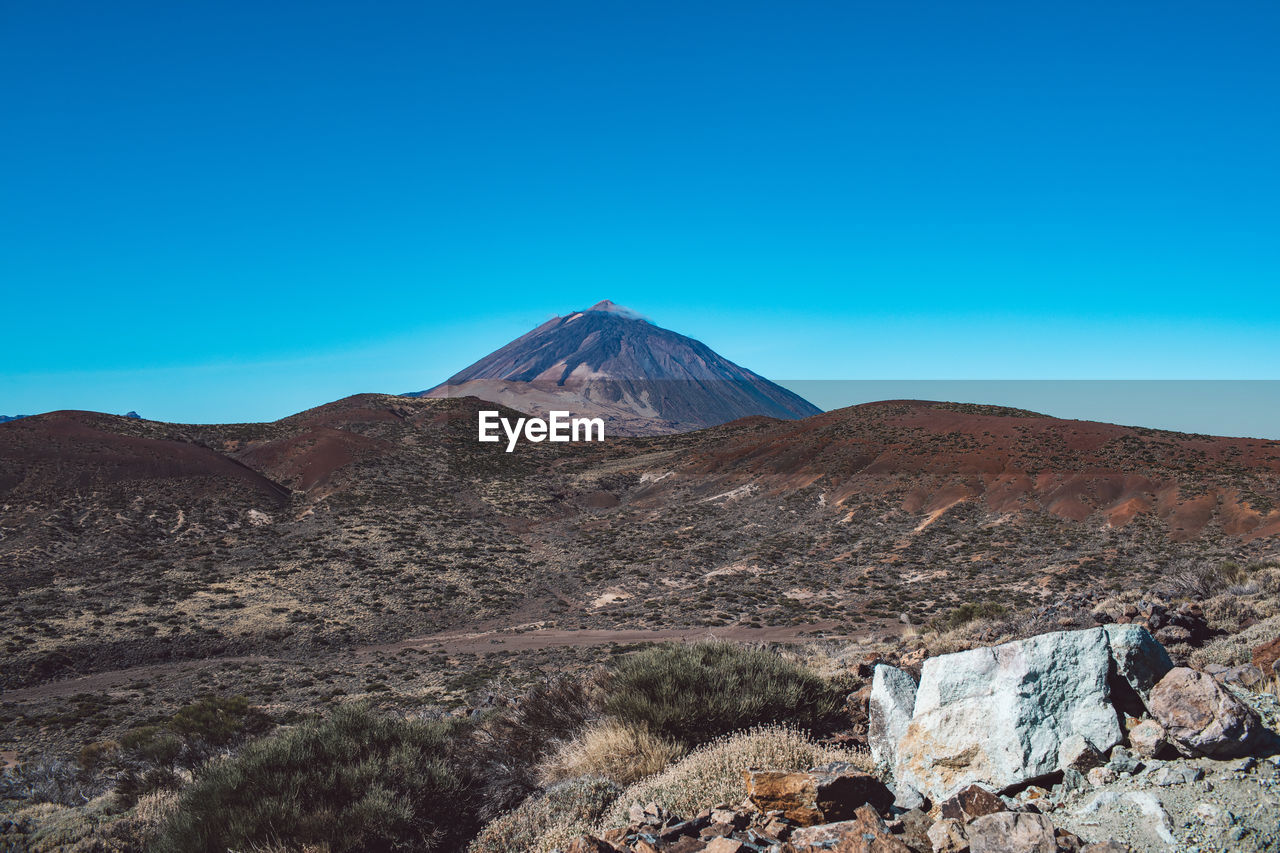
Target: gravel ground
[[1192, 805]]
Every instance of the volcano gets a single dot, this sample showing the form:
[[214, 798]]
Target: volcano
[[610, 362]]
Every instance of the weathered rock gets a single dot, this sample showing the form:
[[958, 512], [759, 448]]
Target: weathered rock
[[1202, 718], [1152, 825], [1100, 776], [1245, 676], [947, 836], [1264, 657], [1147, 738], [893, 698], [971, 803], [726, 845], [1138, 658], [1068, 842], [590, 844], [997, 716], [821, 795], [1123, 762], [1212, 815], [1175, 774], [915, 828], [1076, 753], [865, 833], [1012, 832]]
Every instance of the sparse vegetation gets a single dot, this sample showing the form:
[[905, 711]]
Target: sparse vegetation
[[713, 773], [549, 820], [694, 692], [358, 781], [610, 749]]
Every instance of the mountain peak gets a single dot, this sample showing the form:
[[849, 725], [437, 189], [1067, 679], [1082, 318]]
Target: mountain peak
[[612, 307], [645, 380]]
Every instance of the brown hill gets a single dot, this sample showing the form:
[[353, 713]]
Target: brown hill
[[933, 456], [377, 518]]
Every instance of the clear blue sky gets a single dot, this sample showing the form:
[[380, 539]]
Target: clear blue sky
[[233, 211]]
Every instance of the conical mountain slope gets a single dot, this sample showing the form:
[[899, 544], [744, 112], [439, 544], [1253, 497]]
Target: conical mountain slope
[[609, 362]]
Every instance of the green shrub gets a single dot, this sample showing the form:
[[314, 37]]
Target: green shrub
[[219, 720], [152, 744], [695, 692], [550, 820], [971, 611], [356, 781], [509, 744]]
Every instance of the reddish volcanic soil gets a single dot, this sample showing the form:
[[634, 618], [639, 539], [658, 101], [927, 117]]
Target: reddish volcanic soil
[[68, 453], [936, 455]]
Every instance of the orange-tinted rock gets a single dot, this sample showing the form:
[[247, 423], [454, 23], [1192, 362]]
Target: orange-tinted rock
[[822, 795], [1265, 656]]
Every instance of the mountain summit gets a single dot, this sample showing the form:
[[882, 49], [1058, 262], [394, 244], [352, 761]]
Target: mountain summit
[[608, 361]]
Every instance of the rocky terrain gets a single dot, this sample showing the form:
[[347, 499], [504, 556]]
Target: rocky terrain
[[371, 552], [1088, 740], [609, 362]]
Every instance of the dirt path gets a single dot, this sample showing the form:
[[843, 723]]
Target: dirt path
[[545, 638], [508, 639]]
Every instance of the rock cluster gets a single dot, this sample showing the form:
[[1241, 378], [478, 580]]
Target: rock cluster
[[1182, 625], [983, 755]]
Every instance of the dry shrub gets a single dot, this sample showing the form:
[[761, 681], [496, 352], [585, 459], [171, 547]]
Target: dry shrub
[[713, 773], [1188, 578], [1236, 649], [549, 820], [611, 749], [1228, 611], [971, 635], [510, 744]]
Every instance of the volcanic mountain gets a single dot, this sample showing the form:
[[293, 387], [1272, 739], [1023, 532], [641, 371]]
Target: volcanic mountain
[[609, 362]]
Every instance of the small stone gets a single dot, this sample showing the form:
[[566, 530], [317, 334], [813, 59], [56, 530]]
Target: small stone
[[726, 845], [1110, 846], [1123, 761], [1012, 832], [1078, 754], [1072, 780], [865, 833], [1212, 815], [1147, 738], [973, 802], [1246, 676], [947, 836], [590, 844], [1240, 765], [1176, 774], [1100, 776]]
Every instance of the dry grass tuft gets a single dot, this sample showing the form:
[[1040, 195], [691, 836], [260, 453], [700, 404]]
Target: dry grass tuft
[[549, 820], [713, 773], [621, 752]]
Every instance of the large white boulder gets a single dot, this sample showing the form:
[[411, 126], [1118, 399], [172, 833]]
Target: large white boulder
[[997, 716], [1138, 657], [892, 701]]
